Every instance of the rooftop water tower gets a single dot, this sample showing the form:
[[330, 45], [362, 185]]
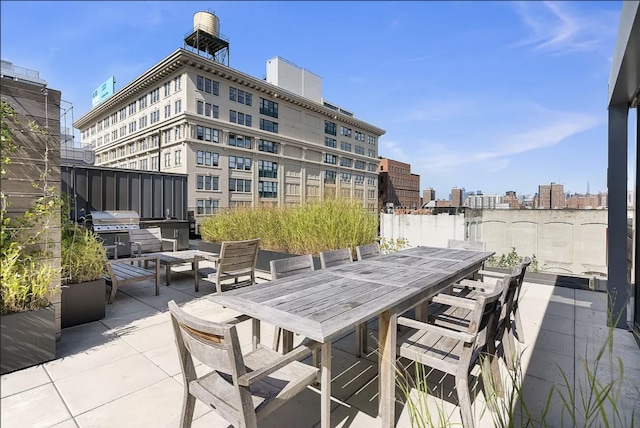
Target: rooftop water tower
[[206, 40]]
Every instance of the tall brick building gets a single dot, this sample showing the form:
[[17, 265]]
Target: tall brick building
[[457, 197], [551, 196], [428, 195], [397, 185], [587, 201]]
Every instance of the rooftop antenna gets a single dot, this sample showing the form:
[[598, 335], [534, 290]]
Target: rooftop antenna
[[587, 188]]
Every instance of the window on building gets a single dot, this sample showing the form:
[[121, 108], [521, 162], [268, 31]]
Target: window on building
[[267, 125], [177, 106], [177, 84], [345, 131], [167, 160], [122, 116], [267, 146], [200, 83], [239, 185], [167, 111], [329, 127], [167, 89], [372, 153], [372, 140], [155, 163], [345, 146], [240, 96], [232, 94], [232, 116], [247, 99], [144, 164], [329, 177], [267, 189], [346, 162], [240, 118], [267, 169], [132, 108], [142, 102], [268, 108], [358, 179], [155, 95], [178, 157], [200, 107], [330, 142], [358, 164], [329, 158], [247, 120], [360, 150], [178, 133], [359, 136], [345, 177]]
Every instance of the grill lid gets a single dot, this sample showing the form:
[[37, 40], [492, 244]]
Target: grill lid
[[114, 220]]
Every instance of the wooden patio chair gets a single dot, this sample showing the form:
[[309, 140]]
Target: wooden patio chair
[[242, 389], [149, 240], [237, 261], [452, 351], [124, 271], [471, 286], [459, 318], [335, 258], [367, 251], [284, 268]]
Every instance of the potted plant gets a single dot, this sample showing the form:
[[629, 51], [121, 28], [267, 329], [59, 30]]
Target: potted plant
[[28, 273], [83, 261]]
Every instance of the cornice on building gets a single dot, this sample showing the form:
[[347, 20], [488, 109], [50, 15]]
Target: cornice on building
[[183, 58]]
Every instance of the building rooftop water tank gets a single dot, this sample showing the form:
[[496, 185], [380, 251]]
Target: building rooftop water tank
[[207, 22]]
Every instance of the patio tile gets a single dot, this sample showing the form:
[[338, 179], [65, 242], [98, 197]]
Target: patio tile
[[39, 407], [23, 380], [162, 300], [166, 357], [92, 388], [135, 321], [89, 358], [349, 373], [69, 423], [535, 393], [593, 316], [592, 300], [557, 309], [83, 337], [549, 340], [548, 365], [146, 338], [156, 406], [302, 411], [345, 416], [124, 304], [210, 420]]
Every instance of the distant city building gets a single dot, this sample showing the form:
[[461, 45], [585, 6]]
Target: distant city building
[[428, 194], [397, 185], [242, 140], [551, 196], [457, 197], [511, 200], [579, 201], [480, 201]]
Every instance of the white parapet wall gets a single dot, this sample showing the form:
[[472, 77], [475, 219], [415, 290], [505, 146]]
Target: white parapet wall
[[563, 241], [422, 230]]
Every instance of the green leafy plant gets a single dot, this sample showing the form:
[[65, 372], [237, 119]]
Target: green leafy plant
[[388, 245], [26, 276], [301, 229], [511, 260], [83, 256]]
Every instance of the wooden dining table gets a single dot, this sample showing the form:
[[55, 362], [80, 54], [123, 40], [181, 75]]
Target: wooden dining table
[[325, 304]]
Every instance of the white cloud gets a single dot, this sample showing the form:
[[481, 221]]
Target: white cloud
[[392, 150], [553, 132], [559, 27], [437, 111]]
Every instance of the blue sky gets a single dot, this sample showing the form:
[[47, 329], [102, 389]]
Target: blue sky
[[489, 96]]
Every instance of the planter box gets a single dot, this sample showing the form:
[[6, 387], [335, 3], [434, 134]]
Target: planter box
[[559, 280], [28, 338], [264, 256], [83, 302]]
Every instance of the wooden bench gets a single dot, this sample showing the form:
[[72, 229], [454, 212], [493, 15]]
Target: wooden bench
[[149, 241], [123, 271]]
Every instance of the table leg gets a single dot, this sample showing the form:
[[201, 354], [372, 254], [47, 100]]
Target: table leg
[[325, 386], [168, 265], [388, 322], [196, 263]]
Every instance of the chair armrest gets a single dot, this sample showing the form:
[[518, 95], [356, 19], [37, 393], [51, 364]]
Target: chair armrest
[[476, 285], [460, 302], [491, 273], [138, 259], [299, 352], [174, 243], [430, 328], [138, 245]]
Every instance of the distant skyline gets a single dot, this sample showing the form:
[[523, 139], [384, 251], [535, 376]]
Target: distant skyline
[[494, 96]]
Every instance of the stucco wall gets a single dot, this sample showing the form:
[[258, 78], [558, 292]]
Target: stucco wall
[[564, 241]]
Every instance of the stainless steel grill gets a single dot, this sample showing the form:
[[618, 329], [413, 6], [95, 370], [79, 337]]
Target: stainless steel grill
[[114, 221]]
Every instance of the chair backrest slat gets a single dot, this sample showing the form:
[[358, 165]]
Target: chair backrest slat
[[467, 245], [291, 266], [150, 239], [366, 251], [209, 342], [335, 257], [238, 256]]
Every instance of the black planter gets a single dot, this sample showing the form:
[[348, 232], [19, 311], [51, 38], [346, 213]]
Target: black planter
[[28, 338], [83, 302], [264, 256]]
